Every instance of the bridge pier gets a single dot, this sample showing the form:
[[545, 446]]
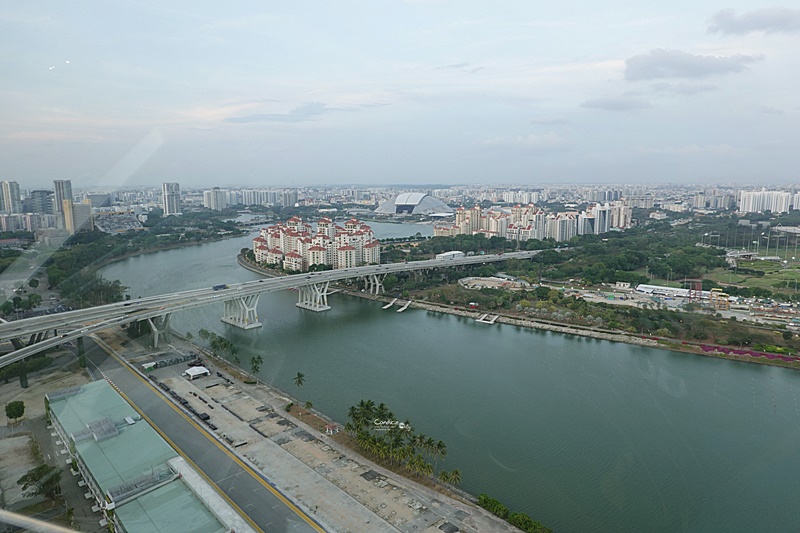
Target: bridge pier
[[374, 283], [313, 297], [242, 312], [159, 325]]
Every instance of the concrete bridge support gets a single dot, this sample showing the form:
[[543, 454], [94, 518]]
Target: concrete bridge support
[[374, 283], [159, 325], [242, 312], [313, 297]]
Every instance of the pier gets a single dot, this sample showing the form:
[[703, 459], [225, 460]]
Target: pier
[[486, 319], [387, 306], [405, 306]]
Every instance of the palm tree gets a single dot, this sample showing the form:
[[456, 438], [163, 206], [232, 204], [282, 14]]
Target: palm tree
[[299, 379], [454, 477], [426, 469], [237, 362], [430, 445], [439, 452], [255, 364], [189, 336], [204, 334]]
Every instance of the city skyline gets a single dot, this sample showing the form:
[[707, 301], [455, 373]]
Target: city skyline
[[415, 93]]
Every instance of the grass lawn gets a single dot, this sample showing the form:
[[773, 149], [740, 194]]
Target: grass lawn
[[773, 274]]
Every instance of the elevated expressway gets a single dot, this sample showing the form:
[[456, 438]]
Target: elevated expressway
[[240, 303]]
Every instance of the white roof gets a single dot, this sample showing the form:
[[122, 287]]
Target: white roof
[[196, 371], [409, 198]]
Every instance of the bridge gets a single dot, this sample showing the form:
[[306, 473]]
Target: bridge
[[240, 302]]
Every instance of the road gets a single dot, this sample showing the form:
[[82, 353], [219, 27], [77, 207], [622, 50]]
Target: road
[[239, 484]]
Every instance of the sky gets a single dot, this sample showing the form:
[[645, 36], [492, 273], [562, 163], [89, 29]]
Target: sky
[[130, 93]]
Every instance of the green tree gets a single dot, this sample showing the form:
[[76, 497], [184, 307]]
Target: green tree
[[299, 379], [33, 283], [15, 409], [255, 364], [189, 336]]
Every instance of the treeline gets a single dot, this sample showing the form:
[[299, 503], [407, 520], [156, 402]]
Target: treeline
[[519, 520], [381, 435], [71, 269]]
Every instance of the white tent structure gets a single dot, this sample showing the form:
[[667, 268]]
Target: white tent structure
[[196, 372]]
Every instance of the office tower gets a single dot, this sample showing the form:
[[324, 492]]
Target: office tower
[[63, 191]]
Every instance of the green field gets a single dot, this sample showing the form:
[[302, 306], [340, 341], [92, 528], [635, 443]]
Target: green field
[[774, 273]]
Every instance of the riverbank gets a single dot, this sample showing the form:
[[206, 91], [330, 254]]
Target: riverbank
[[111, 260], [675, 345], [296, 449]]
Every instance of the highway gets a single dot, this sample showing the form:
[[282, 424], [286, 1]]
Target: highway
[[85, 321], [241, 486]]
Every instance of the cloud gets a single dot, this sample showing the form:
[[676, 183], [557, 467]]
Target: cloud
[[690, 149], [454, 66], [469, 68], [768, 20], [687, 89], [537, 143], [662, 63], [298, 114], [617, 103], [550, 121], [769, 110]]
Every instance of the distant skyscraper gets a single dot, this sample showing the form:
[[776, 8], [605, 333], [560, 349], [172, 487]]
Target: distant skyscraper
[[63, 191], [215, 199], [171, 198], [11, 202], [41, 202], [77, 217], [289, 198]]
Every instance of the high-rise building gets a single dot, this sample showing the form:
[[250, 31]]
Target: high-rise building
[[215, 199], [77, 217], [171, 198], [41, 202], [63, 191], [11, 202], [289, 198]]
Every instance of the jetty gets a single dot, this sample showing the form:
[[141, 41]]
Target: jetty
[[486, 319], [387, 306], [405, 306]]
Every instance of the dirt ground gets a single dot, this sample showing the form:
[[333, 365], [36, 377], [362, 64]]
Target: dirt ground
[[16, 458], [47, 380]]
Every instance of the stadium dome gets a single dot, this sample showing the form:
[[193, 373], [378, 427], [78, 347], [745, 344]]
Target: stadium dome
[[413, 203]]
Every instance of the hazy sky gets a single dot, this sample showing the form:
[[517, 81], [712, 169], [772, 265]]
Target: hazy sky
[[372, 92]]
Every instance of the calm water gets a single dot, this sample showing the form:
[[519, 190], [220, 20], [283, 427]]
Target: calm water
[[584, 435]]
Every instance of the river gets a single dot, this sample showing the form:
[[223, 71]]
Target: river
[[582, 434]]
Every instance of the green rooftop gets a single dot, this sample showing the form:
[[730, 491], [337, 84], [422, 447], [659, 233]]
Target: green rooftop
[[119, 454], [136, 450], [170, 508]]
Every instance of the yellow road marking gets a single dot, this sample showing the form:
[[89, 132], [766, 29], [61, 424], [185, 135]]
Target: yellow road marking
[[238, 461]]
